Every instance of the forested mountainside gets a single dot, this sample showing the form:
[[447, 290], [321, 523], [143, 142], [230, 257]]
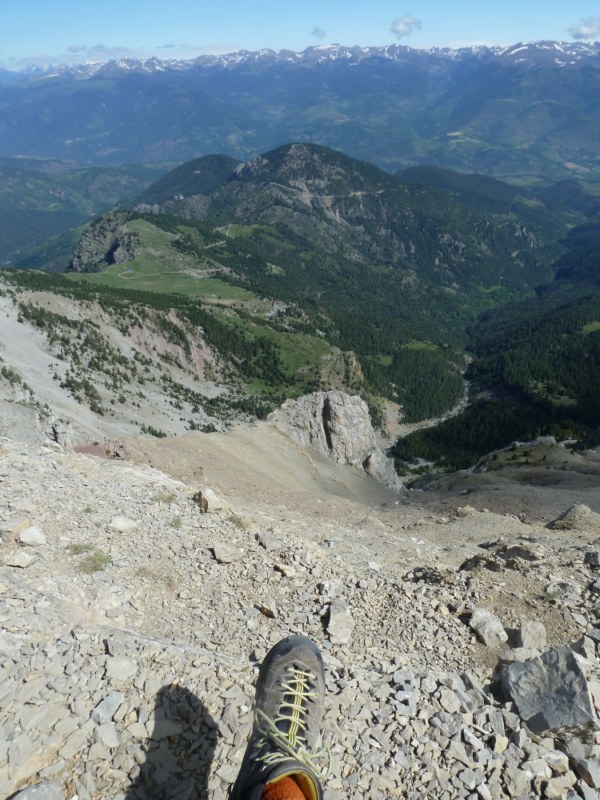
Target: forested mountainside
[[320, 268], [41, 198], [534, 369], [392, 270]]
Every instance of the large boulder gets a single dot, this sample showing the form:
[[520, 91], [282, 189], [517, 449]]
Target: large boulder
[[551, 694], [488, 628], [339, 427]]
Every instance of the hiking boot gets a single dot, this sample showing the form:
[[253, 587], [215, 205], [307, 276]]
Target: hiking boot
[[287, 721]]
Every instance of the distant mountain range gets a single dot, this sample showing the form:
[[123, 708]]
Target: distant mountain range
[[527, 112], [560, 53]]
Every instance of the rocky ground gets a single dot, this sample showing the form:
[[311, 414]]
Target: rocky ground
[[133, 624]]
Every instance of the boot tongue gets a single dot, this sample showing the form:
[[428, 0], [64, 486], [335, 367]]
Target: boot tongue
[[284, 788], [308, 786], [303, 777]]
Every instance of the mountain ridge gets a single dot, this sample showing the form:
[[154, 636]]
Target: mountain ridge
[[534, 50], [521, 112], [340, 250], [306, 250]]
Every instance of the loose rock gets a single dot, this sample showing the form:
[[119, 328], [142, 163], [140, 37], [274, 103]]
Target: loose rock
[[32, 537], [340, 623], [531, 635], [551, 693], [41, 791], [20, 559], [123, 524], [226, 553], [488, 627]]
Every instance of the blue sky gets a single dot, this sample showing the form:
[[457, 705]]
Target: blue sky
[[74, 31]]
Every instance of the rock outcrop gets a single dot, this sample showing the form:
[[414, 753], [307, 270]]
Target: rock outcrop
[[103, 243], [339, 427]]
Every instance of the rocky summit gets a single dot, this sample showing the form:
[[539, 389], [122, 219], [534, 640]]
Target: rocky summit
[[140, 592]]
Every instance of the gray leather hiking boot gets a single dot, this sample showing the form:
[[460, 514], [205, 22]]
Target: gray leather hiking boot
[[287, 721]]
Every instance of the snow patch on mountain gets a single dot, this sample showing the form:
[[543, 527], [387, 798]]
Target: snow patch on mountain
[[537, 52]]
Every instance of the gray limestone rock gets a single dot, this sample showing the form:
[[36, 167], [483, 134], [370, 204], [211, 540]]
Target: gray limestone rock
[[32, 537], [226, 553], [488, 627], [340, 622], [585, 647], [588, 770], [559, 786], [551, 693], [106, 709], [531, 635], [59, 432], [20, 559], [586, 792], [471, 777], [214, 501], [105, 241], [518, 782], [123, 524], [49, 790], [332, 423], [107, 735], [484, 792], [380, 467], [338, 426], [163, 728], [268, 607], [557, 761], [119, 668], [269, 541]]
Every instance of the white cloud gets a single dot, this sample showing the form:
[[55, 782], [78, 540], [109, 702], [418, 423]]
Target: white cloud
[[99, 51], [318, 32], [404, 26], [74, 54], [587, 28]]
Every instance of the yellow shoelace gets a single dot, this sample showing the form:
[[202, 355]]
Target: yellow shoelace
[[293, 743]]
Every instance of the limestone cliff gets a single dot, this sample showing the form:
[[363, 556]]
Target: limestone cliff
[[104, 242], [339, 427]]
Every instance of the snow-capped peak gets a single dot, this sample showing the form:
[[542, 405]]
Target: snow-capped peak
[[560, 53]]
